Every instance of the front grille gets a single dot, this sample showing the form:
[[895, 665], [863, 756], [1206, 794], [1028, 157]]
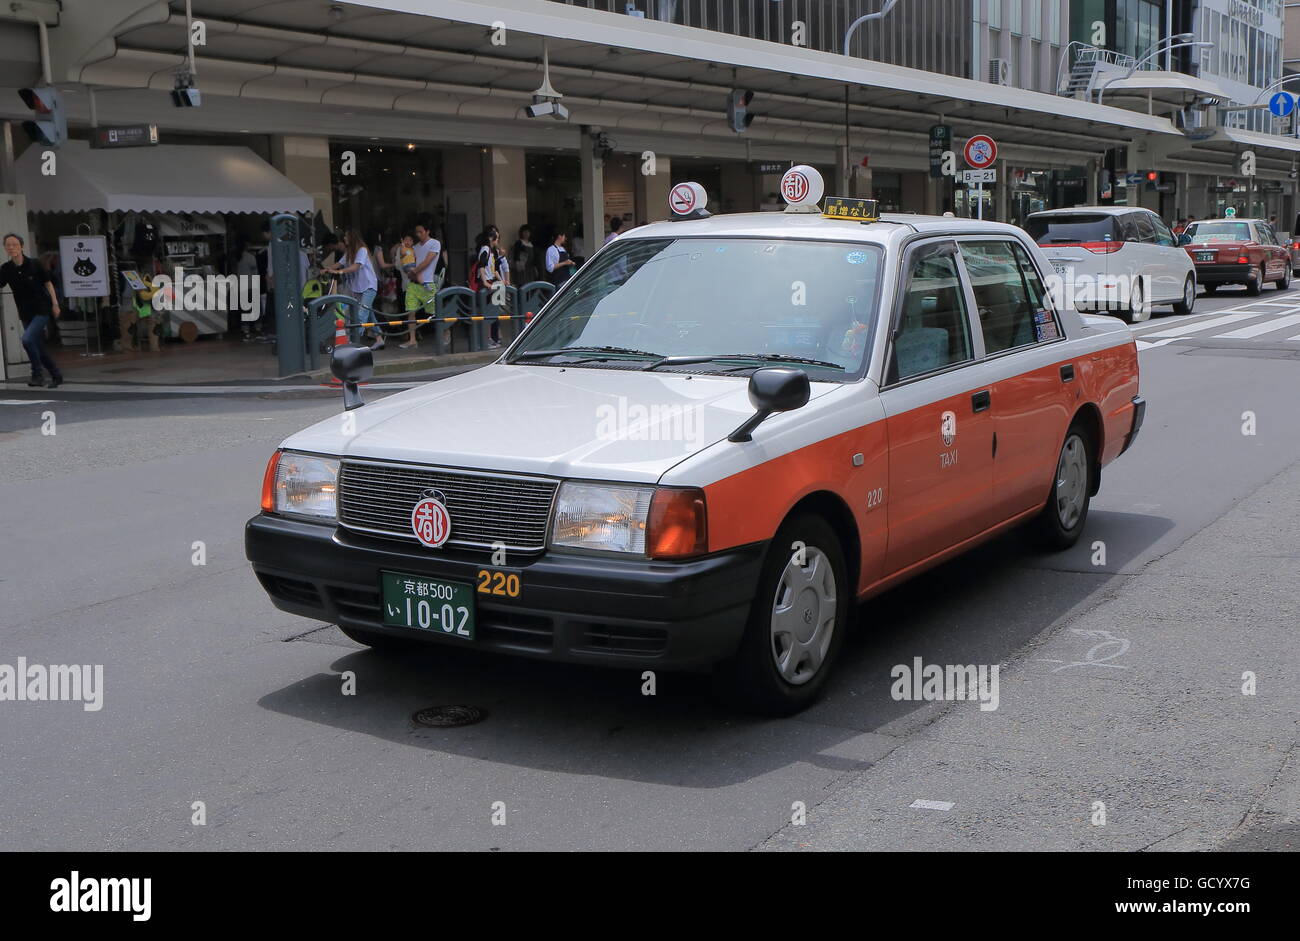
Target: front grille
[[484, 508]]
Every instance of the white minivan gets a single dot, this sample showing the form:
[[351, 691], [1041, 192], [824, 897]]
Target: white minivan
[[1115, 258]]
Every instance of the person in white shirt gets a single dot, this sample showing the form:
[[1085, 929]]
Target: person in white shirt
[[559, 266], [427, 250], [356, 264]]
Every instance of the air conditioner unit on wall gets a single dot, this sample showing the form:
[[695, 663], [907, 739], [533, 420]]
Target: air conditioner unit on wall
[[1000, 71]]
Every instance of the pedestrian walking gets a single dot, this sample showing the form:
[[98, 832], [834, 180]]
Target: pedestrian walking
[[559, 266], [363, 284], [38, 307], [523, 258], [489, 274]]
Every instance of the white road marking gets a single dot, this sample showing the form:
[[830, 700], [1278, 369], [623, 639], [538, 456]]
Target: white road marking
[[1257, 329], [26, 401], [931, 805], [1185, 329]]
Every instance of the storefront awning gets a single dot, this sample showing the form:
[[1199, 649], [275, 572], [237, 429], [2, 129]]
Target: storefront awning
[[165, 178]]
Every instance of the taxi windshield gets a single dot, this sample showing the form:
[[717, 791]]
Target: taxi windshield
[[724, 304], [1204, 232]]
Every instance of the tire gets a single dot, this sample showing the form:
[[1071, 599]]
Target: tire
[[1135, 313], [768, 674], [1184, 307], [384, 643], [1063, 517], [1284, 283], [1253, 288]]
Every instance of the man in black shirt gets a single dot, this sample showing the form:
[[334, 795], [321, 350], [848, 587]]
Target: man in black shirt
[[37, 304]]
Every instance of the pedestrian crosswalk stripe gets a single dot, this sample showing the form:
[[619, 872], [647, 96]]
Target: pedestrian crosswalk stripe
[[1257, 329], [1210, 324]]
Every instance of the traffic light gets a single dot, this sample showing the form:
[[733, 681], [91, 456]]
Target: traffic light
[[1153, 180], [738, 116], [50, 126]]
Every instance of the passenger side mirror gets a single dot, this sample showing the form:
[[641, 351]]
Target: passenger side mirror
[[351, 365], [772, 389]]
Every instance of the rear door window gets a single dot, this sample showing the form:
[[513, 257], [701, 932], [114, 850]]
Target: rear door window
[[933, 327], [1070, 228]]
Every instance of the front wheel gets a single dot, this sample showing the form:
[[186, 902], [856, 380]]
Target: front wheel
[[1185, 306], [1061, 522], [796, 624]]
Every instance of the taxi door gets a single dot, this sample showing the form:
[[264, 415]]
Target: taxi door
[[1034, 388], [938, 413]]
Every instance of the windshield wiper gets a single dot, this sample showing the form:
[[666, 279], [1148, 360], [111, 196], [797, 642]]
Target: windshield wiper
[[539, 354], [763, 357]]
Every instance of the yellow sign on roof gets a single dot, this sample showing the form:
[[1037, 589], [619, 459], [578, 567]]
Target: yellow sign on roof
[[846, 207]]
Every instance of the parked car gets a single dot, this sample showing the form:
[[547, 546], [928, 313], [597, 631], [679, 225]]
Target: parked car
[[721, 434], [1237, 251], [1116, 258]]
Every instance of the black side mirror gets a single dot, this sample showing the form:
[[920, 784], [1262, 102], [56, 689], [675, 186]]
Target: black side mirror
[[351, 365], [773, 389]]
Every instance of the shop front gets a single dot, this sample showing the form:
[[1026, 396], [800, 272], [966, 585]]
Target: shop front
[[146, 246]]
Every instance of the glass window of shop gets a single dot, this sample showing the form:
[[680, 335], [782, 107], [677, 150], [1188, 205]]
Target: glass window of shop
[[1137, 28], [395, 185]]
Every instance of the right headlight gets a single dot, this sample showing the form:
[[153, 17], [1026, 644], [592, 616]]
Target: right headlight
[[301, 485], [661, 523]]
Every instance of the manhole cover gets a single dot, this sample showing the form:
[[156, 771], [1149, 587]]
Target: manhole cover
[[447, 717]]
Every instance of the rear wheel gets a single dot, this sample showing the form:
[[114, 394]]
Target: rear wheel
[[1061, 521], [1189, 297], [1284, 283], [1255, 284], [796, 623]]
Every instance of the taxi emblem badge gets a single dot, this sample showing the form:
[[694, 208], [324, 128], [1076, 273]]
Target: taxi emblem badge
[[430, 520], [948, 428]]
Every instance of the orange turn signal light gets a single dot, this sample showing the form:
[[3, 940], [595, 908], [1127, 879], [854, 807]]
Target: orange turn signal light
[[677, 527], [268, 483]]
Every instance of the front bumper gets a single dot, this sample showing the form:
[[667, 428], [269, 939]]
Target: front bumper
[[572, 608], [1226, 274]]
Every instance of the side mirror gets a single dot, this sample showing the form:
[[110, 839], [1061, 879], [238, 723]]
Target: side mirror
[[351, 365], [1184, 239], [773, 389]]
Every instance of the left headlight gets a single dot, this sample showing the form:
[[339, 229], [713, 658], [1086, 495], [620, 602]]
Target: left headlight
[[595, 516], [301, 485]]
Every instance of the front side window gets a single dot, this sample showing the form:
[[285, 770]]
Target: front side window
[[933, 329], [1163, 235], [725, 301], [1008, 294]]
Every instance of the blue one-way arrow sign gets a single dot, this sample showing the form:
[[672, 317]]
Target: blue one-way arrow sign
[[1281, 104]]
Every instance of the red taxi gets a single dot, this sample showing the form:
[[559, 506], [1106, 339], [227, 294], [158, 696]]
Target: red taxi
[[1237, 251]]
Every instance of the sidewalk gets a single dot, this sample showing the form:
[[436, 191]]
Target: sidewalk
[[1134, 700], [209, 366]]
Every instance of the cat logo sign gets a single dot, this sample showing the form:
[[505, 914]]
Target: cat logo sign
[[83, 261]]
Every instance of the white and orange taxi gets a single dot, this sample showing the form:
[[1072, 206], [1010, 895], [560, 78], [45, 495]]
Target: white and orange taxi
[[718, 436]]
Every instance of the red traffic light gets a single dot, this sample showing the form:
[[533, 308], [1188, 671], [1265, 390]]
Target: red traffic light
[[36, 99], [1152, 176]]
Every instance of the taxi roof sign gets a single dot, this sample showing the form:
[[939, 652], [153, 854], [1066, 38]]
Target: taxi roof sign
[[848, 207], [802, 188], [687, 201]]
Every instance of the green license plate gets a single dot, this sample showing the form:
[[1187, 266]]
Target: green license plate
[[428, 604]]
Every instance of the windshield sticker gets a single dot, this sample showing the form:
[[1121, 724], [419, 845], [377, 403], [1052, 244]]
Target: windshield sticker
[[856, 258]]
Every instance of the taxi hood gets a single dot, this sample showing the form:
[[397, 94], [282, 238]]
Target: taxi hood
[[613, 424]]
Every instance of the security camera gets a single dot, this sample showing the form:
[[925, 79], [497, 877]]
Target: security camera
[[547, 108]]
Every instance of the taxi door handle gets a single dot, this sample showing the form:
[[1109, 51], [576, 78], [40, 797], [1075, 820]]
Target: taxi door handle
[[1067, 372], [980, 401]]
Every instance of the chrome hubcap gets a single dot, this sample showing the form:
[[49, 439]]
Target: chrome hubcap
[[1071, 481], [1189, 294], [803, 616]]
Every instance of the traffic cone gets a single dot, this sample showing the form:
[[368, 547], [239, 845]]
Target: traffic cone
[[340, 339]]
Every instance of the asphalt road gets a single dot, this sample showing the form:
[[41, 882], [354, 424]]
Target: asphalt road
[[212, 695]]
